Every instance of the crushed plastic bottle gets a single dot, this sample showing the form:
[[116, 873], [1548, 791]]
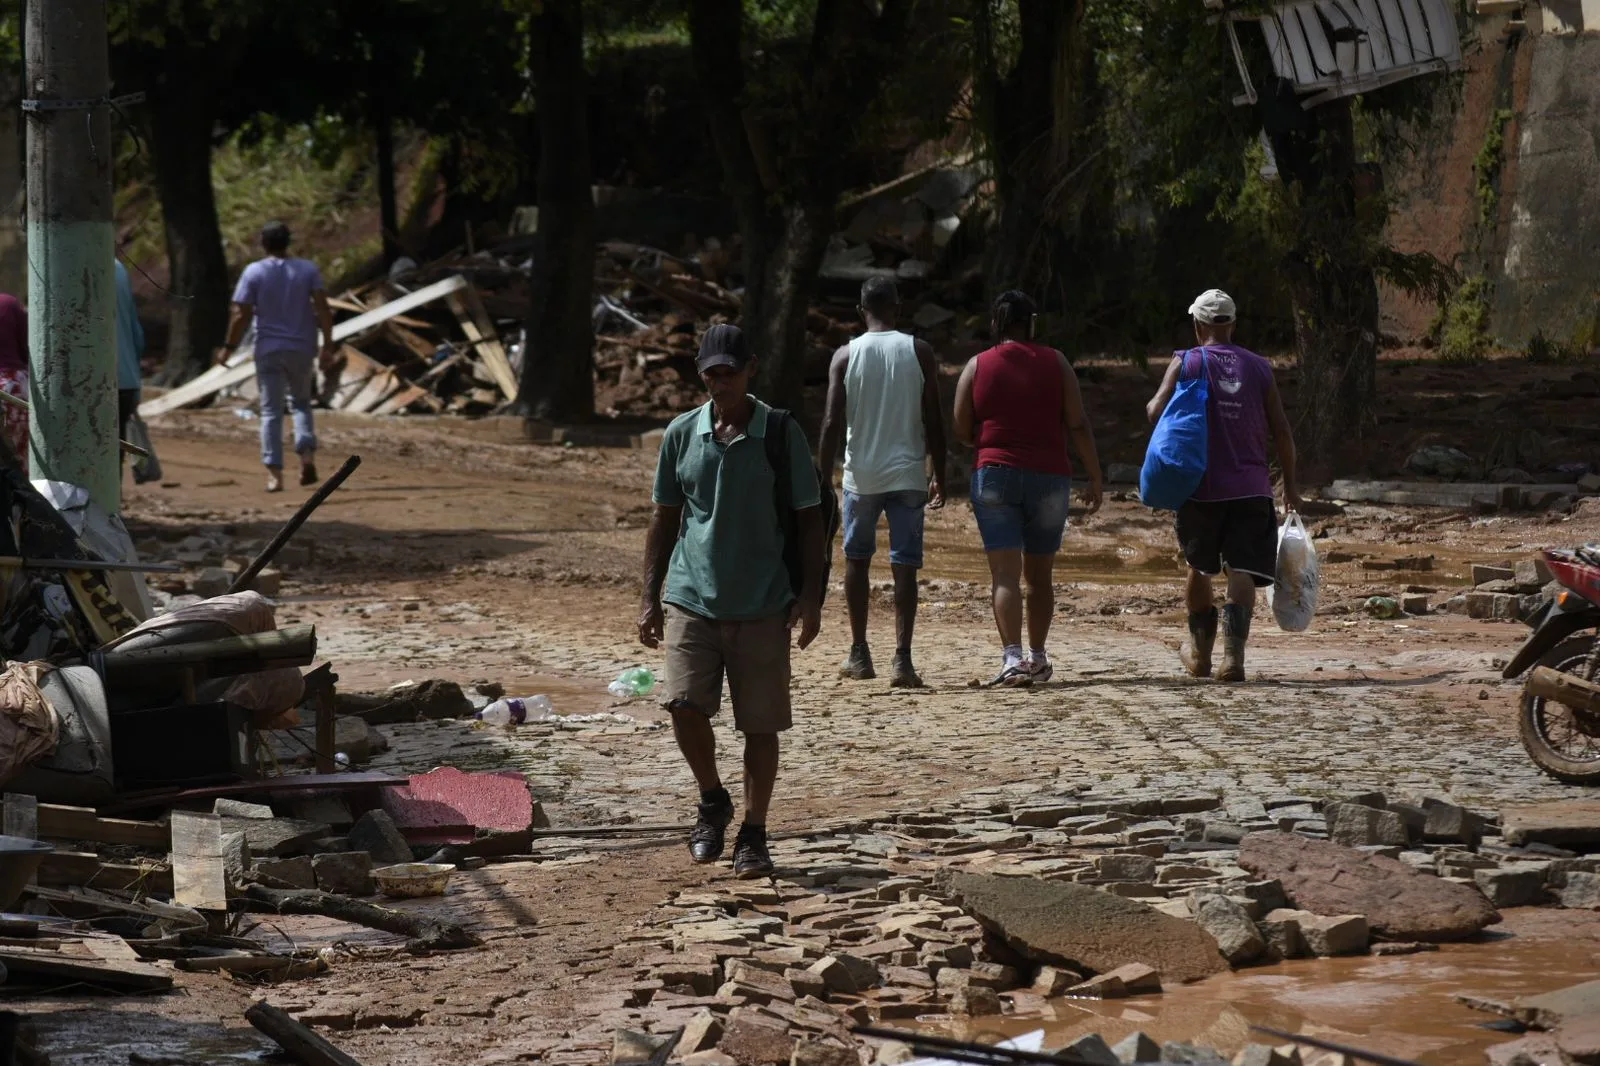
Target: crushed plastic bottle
[[638, 681], [516, 711], [1383, 607]]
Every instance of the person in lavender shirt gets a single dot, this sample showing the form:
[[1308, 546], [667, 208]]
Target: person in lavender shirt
[[289, 303], [1230, 524]]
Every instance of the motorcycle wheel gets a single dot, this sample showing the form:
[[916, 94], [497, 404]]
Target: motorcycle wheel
[[1564, 743]]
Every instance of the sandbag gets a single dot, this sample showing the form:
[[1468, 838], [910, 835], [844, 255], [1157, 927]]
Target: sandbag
[[1175, 461], [1299, 577]]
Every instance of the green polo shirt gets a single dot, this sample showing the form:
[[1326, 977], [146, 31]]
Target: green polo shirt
[[728, 564]]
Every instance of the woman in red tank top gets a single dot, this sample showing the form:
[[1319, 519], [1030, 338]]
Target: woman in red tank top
[[1017, 403]]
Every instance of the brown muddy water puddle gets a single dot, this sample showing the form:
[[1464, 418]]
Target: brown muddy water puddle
[[1403, 1006]]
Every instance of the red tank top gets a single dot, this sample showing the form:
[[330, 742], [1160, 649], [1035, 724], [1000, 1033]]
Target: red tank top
[[1016, 405]]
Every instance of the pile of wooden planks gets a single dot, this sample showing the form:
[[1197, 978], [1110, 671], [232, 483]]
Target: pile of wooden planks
[[434, 348]]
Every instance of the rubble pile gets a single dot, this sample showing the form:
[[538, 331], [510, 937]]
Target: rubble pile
[[989, 906]]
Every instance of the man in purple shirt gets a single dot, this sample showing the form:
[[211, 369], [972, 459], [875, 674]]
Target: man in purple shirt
[[1230, 524], [288, 302]]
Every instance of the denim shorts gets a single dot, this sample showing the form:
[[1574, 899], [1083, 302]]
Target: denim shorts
[[1017, 508], [905, 511]]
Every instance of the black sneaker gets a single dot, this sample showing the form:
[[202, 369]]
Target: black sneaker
[[905, 675], [705, 840], [858, 667], [750, 855]]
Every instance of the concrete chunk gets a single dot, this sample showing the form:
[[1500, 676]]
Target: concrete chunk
[[1137, 1047], [1230, 926], [376, 834], [345, 873], [1091, 1049]]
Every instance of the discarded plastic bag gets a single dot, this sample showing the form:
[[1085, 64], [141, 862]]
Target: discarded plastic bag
[[145, 467], [1299, 577]]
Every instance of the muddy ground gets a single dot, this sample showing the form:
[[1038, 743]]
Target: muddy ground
[[460, 551]]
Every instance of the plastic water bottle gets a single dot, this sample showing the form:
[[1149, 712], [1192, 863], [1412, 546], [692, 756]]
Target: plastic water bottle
[[516, 710], [639, 681]]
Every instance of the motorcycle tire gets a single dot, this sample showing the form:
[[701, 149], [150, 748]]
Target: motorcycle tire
[[1569, 657]]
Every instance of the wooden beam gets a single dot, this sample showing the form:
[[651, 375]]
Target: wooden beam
[[479, 328], [81, 868], [197, 873], [57, 822], [54, 967], [298, 1039], [241, 367]]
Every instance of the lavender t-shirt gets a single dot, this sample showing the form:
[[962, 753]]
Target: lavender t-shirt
[[1236, 411], [280, 291]]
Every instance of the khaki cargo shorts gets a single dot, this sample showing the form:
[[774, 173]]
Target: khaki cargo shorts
[[754, 655]]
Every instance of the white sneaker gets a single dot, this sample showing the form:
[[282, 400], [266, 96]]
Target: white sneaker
[[1012, 675], [1040, 671]]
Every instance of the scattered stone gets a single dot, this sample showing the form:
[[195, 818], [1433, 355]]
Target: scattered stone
[[1061, 923], [805, 983], [1533, 573], [1104, 986], [1398, 902], [1515, 885], [818, 1053], [1450, 824], [709, 1057], [1261, 1055], [347, 873], [1138, 978], [235, 862], [268, 582], [1552, 1009], [297, 872], [275, 837], [1344, 934], [974, 1000], [1053, 981], [376, 834], [752, 1039], [703, 979], [1562, 823], [629, 1047], [1414, 604], [1192, 1054], [1355, 824], [1282, 935], [1581, 891], [210, 582], [1127, 868], [1230, 926], [864, 972], [1401, 947], [893, 1053], [232, 808], [1483, 573], [1137, 1047], [1091, 1049], [1535, 1049], [1579, 1039]]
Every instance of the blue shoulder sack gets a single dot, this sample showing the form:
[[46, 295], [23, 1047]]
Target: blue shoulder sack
[[1175, 462]]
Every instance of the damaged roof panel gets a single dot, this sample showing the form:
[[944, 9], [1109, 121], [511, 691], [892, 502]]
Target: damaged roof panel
[[1334, 48]]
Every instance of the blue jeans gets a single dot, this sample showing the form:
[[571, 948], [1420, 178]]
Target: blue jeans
[[905, 511], [1018, 508], [281, 374]]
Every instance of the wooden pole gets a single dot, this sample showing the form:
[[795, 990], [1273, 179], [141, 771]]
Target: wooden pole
[[248, 574], [297, 1038]]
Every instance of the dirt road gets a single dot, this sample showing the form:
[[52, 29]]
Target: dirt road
[[459, 551]]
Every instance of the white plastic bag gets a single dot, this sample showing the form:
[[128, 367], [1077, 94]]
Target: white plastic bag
[[1294, 592]]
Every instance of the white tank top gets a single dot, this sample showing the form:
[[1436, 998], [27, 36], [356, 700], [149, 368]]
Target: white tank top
[[884, 448]]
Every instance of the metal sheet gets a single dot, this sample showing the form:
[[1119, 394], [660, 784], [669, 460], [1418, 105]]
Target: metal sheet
[[1442, 29], [1377, 35], [1394, 26], [1416, 30], [1278, 47], [1317, 39]]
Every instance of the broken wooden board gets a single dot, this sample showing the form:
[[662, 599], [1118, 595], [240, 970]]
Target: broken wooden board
[[87, 869], [290, 783], [241, 366], [58, 822], [22, 820], [479, 328], [81, 963], [296, 1038], [198, 875]]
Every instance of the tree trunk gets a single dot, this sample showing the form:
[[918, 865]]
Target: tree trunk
[[180, 146], [558, 361], [780, 279], [388, 210], [1031, 119], [1335, 294]]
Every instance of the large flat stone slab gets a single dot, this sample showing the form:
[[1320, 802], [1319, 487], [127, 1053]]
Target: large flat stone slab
[[1398, 902], [1556, 1008], [1065, 924], [1562, 823]]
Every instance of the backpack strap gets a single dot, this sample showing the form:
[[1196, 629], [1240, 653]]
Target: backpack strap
[[777, 448]]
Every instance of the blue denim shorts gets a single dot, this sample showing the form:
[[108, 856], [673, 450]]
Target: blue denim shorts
[[905, 511], [1018, 508]]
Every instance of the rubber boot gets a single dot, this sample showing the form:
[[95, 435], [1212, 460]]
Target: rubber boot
[[1196, 652], [1235, 634]]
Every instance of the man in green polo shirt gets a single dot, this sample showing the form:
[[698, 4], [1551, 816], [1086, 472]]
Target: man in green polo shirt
[[716, 542]]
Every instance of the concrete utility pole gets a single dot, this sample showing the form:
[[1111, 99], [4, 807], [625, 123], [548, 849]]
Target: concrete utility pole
[[71, 244]]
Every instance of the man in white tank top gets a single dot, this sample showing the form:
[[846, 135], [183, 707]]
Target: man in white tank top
[[883, 401]]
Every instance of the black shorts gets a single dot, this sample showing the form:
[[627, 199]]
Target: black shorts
[[1240, 535]]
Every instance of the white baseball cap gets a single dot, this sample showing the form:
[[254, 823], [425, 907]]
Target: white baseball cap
[[1213, 306]]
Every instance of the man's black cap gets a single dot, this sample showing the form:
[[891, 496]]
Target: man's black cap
[[723, 345]]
